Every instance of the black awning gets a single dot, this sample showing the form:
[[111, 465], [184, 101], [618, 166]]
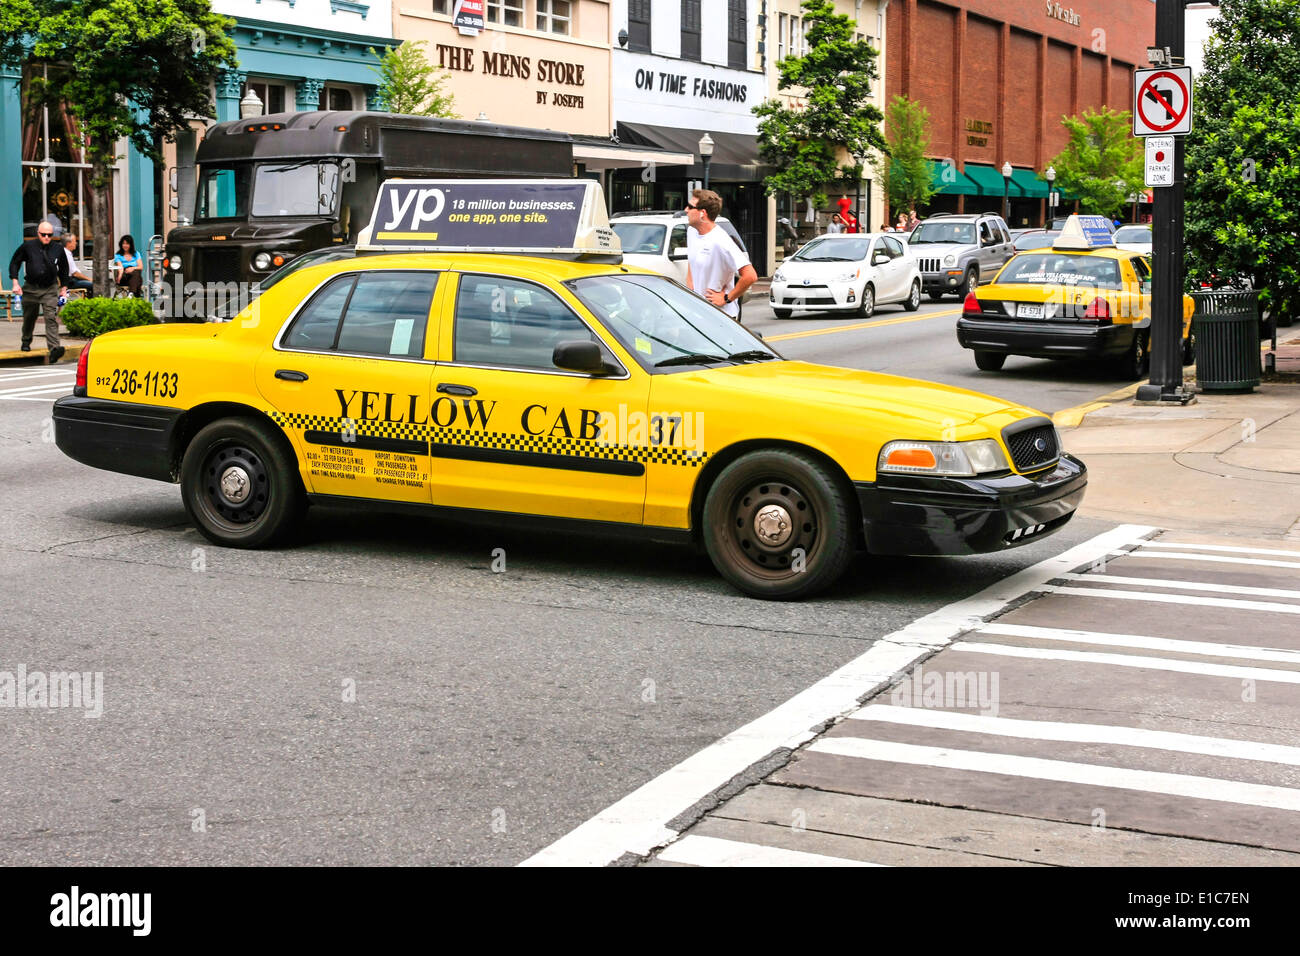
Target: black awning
[[735, 155]]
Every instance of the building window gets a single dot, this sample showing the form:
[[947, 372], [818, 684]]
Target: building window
[[441, 6], [271, 95], [691, 30], [638, 26], [333, 98], [782, 26], [508, 13], [736, 24], [553, 16]]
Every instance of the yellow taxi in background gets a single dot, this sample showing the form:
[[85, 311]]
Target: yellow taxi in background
[[550, 384], [1079, 298]]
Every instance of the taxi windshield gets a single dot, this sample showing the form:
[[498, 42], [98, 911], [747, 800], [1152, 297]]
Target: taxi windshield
[[658, 321], [640, 238], [962, 232], [1043, 268], [834, 250]]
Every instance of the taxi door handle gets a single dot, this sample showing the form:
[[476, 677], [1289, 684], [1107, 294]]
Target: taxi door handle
[[451, 389], [289, 375]]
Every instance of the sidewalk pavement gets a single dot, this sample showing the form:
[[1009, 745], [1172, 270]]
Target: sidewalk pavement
[[11, 339]]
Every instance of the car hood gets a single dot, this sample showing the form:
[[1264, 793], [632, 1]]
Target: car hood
[[654, 263], [905, 400], [928, 250], [811, 269]]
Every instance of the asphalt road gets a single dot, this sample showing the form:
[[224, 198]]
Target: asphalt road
[[377, 693]]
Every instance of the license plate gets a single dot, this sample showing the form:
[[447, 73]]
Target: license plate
[[1027, 311]]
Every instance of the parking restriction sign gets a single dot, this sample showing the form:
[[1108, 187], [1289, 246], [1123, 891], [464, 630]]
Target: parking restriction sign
[[1162, 101], [1160, 161]]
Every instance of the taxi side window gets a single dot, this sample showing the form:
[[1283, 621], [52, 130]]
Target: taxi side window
[[1140, 267], [501, 321], [388, 313], [318, 323]]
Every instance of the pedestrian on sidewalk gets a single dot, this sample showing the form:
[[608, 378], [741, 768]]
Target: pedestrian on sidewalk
[[76, 279], [46, 279], [131, 265], [713, 260]]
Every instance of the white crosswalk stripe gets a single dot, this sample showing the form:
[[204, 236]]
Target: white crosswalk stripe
[[711, 851], [36, 385]]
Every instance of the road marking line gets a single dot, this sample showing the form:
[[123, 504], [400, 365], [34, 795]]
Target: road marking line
[[1063, 771], [1203, 668], [12, 376], [711, 851], [1184, 585], [1275, 654], [1272, 606], [1259, 562], [1223, 547], [899, 320], [36, 389], [638, 823], [1079, 733]]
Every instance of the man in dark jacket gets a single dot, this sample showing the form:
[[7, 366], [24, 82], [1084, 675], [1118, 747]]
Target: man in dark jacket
[[47, 279]]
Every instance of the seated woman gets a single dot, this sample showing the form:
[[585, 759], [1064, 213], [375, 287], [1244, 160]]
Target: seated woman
[[128, 265]]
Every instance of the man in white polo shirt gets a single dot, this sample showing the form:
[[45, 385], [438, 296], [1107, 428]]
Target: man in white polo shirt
[[712, 258]]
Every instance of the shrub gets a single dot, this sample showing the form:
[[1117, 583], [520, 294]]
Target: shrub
[[94, 316]]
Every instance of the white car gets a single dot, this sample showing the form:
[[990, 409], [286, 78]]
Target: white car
[[657, 241], [847, 272], [1133, 239]]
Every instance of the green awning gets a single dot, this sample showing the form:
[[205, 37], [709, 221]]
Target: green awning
[[941, 177], [1027, 181], [988, 179]]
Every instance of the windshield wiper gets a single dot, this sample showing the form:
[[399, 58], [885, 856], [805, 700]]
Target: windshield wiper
[[694, 358], [751, 355]]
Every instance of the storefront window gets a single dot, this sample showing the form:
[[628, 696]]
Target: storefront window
[[553, 16]]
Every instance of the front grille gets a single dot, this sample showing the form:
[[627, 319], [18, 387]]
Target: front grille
[[928, 265], [1023, 445], [219, 265]]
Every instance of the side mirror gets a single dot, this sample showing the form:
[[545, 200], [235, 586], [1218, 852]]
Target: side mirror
[[880, 259], [580, 356], [677, 254]]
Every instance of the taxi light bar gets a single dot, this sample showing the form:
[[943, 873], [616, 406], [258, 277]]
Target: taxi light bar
[[1098, 310], [971, 306]]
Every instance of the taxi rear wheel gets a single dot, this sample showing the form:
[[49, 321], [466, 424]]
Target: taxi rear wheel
[[239, 485], [778, 525], [914, 297], [1133, 363]]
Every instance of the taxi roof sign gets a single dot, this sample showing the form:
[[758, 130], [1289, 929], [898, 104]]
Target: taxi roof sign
[[1085, 233], [538, 216]]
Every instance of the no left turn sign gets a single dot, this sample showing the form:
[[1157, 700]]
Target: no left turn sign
[[1162, 102]]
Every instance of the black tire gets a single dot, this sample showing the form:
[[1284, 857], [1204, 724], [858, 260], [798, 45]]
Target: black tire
[[1133, 364], [867, 304], [970, 284], [913, 300], [936, 296], [989, 361], [250, 454], [778, 485], [782, 313]]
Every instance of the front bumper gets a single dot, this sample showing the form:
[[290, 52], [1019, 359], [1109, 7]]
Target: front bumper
[[827, 297], [919, 514], [946, 281], [1044, 339], [118, 436]]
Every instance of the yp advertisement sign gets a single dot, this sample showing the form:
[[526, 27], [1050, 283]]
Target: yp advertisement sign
[[479, 215]]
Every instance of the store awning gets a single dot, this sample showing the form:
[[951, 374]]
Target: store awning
[[1027, 181], [988, 179], [942, 178], [735, 155], [604, 153]]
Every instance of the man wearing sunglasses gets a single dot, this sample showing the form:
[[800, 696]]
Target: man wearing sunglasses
[[717, 268], [47, 279]]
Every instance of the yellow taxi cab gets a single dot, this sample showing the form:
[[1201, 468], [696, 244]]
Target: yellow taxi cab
[[549, 384], [1082, 297]]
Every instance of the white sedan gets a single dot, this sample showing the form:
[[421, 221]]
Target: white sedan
[[847, 272], [1136, 238]]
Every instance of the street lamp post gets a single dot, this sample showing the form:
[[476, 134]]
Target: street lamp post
[[706, 154], [1006, 193], [1050, 176]]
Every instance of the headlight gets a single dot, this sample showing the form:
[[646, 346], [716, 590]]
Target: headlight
[[777, 276], [959, 458], [262, 261], [849, 276], [174, 263], [950, 260]]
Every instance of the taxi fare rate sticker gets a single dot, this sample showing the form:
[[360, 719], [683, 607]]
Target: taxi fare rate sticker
[[478, 215]]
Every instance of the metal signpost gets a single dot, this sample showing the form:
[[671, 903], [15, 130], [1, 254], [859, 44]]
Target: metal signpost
[[1162, 111]]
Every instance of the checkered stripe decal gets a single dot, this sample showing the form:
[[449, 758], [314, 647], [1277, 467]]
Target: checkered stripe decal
[[504, 441]]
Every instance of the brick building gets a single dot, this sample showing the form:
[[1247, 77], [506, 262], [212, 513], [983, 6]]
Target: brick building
[[998, 75]]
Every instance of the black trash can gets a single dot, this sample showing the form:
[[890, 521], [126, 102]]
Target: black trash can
[[1226, 327]]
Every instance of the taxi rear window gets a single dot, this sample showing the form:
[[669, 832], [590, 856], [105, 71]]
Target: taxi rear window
[[1056, 268]]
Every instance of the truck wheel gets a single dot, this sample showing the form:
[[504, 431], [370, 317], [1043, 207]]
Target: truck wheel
[[989, 361], [914, 297], [239, 486], [778, 526]]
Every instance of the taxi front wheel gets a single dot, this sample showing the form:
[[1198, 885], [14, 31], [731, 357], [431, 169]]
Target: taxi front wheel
[[777, 525], [239, 485]]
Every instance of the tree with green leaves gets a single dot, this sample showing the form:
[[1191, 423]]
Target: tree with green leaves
[[410, 83], [1102, 160], [804, 144], [1243, 157], [133, 69], [903, 170]]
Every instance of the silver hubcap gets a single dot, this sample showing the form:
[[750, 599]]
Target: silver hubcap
[[235, 485], [772, 525]]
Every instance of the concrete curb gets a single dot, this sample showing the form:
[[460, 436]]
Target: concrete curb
[[41, 356]]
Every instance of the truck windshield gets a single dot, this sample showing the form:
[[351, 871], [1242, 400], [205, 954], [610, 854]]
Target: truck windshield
[[223, 193], [307, 188]]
